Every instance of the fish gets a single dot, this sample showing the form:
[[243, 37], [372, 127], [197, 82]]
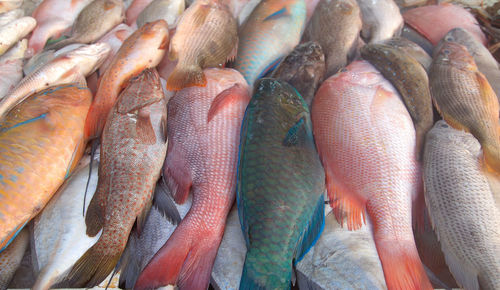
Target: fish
[[303, 68], [133, 149], [461, 206], [412, 35], [311, 7], [206, 36], [10, 259], [280, 185], [381, 20], [271, 32], [59, 236], [141, 50], [409, 77], [114, 38], [485, 62], [42, 134], [12, 32], [141, 248], [366, 141], [93, 22], [134, 10], [204, 131], [53, 17], [168, 10], [10, 16], [465, 99], [243, 8], [434, 21], [335, 25], [11, 67], [70, 67], [8, 5], [44, 57], [410, 48]]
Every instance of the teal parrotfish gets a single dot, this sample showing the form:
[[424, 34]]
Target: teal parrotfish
[[280, 185]]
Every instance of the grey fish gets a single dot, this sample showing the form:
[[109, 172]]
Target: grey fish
[[461, 207], [381, 20], [303, 68], [168, 10]]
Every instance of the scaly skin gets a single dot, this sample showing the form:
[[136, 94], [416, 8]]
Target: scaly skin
[[280, 185]]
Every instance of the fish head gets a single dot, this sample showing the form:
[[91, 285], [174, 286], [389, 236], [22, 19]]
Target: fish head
[[141, 91], [460, 36], [156, 30], [89, 57], [308, 57], [282, 97], [446, 134], [456, 55]]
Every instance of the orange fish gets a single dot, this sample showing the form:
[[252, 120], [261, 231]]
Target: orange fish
[[41, 140], [366, 140], [143, 49]]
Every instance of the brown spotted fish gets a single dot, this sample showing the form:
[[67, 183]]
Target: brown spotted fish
[[133, 149]]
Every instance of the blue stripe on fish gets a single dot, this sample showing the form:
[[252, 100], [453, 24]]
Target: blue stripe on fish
[[25, 122], [270, 67], [282, 12], [13, 237]]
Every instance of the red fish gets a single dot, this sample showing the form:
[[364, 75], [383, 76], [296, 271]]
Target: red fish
[[204, 132]]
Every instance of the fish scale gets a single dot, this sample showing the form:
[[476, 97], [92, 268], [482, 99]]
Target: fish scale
[[40, 141], [280, 187]]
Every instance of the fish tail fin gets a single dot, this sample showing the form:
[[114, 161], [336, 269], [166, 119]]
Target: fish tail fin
[[94, 123], [491, 152], [186, 259], [269, 278], [185, 76], [93, 267], [401, 264]]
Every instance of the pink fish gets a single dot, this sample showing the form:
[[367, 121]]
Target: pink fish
[[366, 141], [135, 9], [203, 132], [434, 21]]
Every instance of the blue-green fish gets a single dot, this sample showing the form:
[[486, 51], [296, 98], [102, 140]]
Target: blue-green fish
[[271, 32], [280, 185]]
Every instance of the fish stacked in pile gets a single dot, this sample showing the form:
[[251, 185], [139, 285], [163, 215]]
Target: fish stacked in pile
[[129, 130]]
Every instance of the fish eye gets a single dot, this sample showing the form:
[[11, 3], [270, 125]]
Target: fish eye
[[446, 51]]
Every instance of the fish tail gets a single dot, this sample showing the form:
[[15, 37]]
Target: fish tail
[[258, 275], [185, 76], [491, 152], [93, 127], [401, 264], [93, 267], [44, 281], [187, 263]]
